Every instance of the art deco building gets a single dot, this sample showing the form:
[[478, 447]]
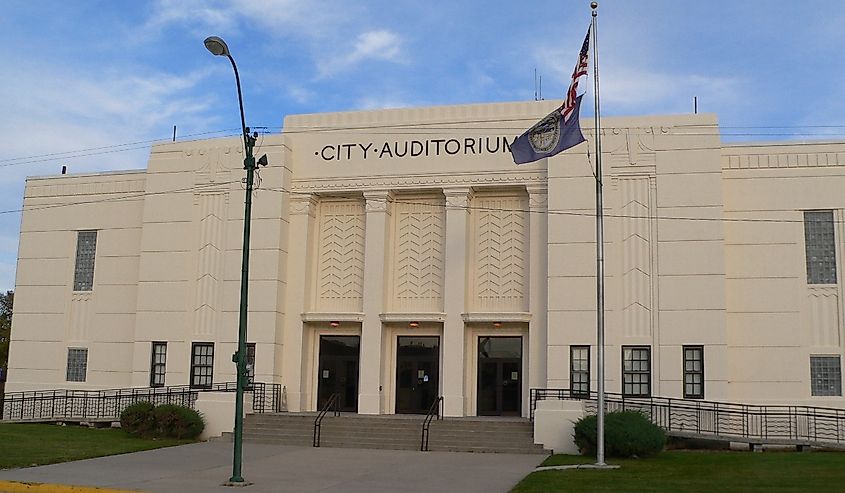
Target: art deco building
[[400, 255]]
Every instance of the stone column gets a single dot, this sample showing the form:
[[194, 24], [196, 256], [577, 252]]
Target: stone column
[[538, 275], [455, 297], [300, 246], [375, 249]]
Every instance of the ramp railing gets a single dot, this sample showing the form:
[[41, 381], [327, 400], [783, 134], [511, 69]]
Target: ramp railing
[[104, 405], [727, 420]]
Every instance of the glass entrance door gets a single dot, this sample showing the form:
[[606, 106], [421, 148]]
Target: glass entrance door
[[338, 371], [500, 376], [417, 373]]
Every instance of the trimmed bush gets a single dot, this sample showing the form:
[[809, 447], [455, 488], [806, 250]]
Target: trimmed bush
[[165, 421], [138, 419], [626, 434], [180, 422]]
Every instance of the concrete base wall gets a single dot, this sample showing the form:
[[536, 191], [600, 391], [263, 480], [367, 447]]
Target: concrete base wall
[[554, 425], [218, 410]]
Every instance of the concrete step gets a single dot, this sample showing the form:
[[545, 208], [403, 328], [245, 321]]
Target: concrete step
[[395, 432]]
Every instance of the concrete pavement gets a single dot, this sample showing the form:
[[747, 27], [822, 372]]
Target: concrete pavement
[[203, 467]]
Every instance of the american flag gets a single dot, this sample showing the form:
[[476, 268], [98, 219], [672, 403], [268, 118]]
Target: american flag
[[580, 71]]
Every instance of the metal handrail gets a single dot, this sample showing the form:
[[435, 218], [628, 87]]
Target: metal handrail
[[785, 423], [436, 409], [333, 401], [109, 403]]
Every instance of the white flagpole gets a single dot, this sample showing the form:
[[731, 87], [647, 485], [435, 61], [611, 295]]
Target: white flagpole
[[599, 252]]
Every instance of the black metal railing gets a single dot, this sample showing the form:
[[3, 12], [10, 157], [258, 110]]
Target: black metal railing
[[436, 410], [728, 420], [333, 404], [104, 405]]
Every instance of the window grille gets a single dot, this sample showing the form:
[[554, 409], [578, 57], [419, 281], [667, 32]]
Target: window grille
[[77, 364], [202, 365], [636, 371], [83, 273], [820, 248], [158, 361], [825, 375], [693, 372], [579, 370]]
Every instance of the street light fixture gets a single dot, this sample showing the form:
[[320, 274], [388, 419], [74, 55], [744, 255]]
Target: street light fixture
[[218, 47]]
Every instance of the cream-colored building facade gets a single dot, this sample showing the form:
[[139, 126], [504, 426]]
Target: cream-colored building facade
[[399, 255]]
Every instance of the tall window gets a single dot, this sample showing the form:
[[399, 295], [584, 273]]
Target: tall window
[[820, 247], [250, 364], [83, 273], [77, 364], [202, 365], [825, 375], [579, 370], [636, 371], [694, 372], [158, 361]]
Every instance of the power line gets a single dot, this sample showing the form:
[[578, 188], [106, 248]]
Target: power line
[[574, 213], [422, 128]]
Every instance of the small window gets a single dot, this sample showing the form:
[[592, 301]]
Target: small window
[[820, 247], [636, 371], [77, 364], [158, 361], [250, 364], [83, 273], [825, 375], [694, 372], [202, 365], [579, 370]]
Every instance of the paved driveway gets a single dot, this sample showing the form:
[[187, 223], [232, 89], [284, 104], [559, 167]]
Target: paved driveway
[[202, 467]]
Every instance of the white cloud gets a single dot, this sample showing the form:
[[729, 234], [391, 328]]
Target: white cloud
[[280, 18], [382, 102], [630, 86], [381, 45]]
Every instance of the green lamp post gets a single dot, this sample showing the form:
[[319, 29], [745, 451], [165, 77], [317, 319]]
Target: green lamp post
[[218, 47]]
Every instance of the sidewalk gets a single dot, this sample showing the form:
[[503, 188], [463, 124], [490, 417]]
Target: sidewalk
[[202, 467]]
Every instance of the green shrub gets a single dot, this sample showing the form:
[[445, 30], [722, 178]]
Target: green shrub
[[174, 421], [138, 419], [626, 434]]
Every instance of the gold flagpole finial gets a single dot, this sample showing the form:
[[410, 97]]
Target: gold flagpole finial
[[594, 5]]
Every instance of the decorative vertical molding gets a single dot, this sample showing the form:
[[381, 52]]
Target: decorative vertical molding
[[209, 275], [824, 316], [340, 276], [419, 255], [538, 275], [303, 204], [501, 254], [79, 316], [637, 245]]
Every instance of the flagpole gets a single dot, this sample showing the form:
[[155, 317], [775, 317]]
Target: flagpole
[[599, 252]]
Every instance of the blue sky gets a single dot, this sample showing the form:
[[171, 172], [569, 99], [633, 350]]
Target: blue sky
[[87, 74]]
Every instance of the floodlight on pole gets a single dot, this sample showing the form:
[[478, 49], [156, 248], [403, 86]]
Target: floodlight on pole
[[218, 47]]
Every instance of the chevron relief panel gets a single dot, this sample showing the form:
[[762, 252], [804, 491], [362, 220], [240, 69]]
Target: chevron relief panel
[[340, 271], [212, 210], [501, 244], [636, 256], [418, 255], [824, 316]]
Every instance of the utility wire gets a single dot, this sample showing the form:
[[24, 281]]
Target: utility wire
[[416, 129], [573, 213]]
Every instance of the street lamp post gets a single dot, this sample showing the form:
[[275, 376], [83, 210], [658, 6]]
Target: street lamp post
[[218, 47]]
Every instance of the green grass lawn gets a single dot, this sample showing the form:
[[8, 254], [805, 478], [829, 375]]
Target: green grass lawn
[[23, 445], [691, 471]]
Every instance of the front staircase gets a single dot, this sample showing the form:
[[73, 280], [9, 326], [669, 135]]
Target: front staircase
[[395, 432]]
